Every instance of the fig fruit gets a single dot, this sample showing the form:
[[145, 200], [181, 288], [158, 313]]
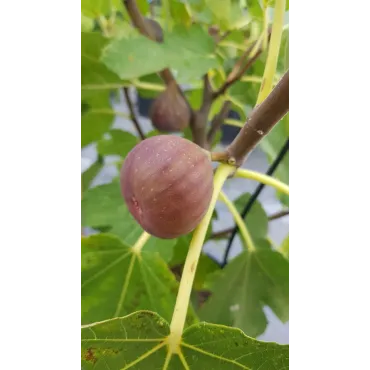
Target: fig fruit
[[169, 111], [167, 184], [155, 29]]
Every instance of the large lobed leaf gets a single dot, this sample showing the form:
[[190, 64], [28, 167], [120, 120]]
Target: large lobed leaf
[[187, 50], [96, 82], [139, 341], [116, 281], [95, 8], [246, 284], [103, 207]]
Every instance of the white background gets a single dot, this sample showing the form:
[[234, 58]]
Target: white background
[[40, 185]]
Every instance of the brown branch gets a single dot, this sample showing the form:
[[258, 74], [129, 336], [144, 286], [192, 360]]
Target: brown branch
[[218, 120], [241, 66], [225, 233], [133, 114], [198, 123], [263, 118], [280, 214]]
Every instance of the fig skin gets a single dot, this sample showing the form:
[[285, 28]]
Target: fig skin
[[167, 184], [169, 111]]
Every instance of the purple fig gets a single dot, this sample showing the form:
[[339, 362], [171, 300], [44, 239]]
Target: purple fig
[[169, 111], [155, 29], [167, 184]]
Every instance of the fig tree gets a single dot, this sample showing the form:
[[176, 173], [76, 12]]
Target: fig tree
[[169, 111], [167, 184]]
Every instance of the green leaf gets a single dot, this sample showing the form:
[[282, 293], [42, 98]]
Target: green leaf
[[271, 144], [179, 12], [97, 119], [139, 341], [104, 206], [117, 142], [200, 11], [89, 175], [257, 278], [206, 266], [143, 6], [190, 52], [221, 11], [256, 220], [128, 57], [284, 248], [94, 74], [95, 8], [116, 281], [245, 92], [255, 9], [87, 24], [187, 50], [283, 60]]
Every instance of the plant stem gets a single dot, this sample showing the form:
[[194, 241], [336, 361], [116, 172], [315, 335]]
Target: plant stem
[[199, 118], [218, 121], [253, 198], [242, 65], [264, 179], [133, 114], [248, 241], [273, 51], [226, 232], [148, 85], [262, 119], [195, 248], [138, 246], [279, 214], [233, 122], [221, 157]]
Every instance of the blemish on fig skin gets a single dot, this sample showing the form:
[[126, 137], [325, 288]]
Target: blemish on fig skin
[[137, 206]]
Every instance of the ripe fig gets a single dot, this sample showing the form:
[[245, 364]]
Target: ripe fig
[[155, 29], [167, 184], [169, 111]]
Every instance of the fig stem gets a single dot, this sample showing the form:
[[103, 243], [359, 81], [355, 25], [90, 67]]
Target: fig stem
[[138, 246], [222, 157], [264, 179], [188, 274], [248, 241]]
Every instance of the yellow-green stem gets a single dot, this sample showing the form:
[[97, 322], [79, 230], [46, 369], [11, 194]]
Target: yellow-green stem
[[273, 51], [103, 23], [265, 179], [233, 122], [195, 248], [143, 238], [248, 241], [148, 85], [265, 26]]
